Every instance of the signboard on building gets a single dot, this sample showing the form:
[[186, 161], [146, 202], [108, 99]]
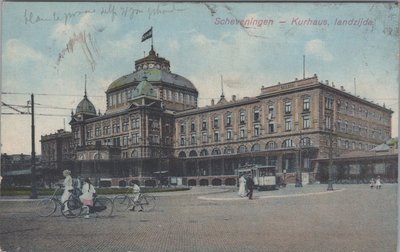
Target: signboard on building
[[354, 169], [379, 168]]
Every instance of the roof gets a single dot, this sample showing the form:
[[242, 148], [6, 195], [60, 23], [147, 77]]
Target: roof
[[85, 106], [144, 89], [153, 75]]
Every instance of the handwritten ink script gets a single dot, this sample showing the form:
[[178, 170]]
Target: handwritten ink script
[[113, 11]]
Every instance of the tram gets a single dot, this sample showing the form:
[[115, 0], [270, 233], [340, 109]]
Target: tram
[[264, 176]]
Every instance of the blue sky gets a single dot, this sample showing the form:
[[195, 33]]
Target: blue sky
[[104, 41]]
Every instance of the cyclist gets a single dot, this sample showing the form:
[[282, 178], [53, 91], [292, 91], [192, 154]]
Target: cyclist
[[87, 195], [136, 193], [67, 188]]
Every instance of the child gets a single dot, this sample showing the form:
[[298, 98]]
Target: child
[[87, 195]]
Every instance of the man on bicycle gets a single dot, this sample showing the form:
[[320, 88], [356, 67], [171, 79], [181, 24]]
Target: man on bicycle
[[136, 194]]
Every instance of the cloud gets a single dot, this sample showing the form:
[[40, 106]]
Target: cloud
[[16, 52], [317, 47]]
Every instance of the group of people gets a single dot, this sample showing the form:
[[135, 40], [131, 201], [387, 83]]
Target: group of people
[[246, 186], [85, 193], [375, 183]]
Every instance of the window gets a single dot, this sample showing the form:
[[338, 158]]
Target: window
[[193, 127], [229, 135], [135, 123], [216, 136], [287, 143], [242, 133], [135, 138], [271, 145], [125, 140], [182, 141], [256, 115], [216, 122], [229, 120], [271, 127], [116, 127], [271, 112], [193, 139], [305, 141], [97, 131], [89, 133], [288, 107], [204, 125], [242, 117], [306, 104], [256, 130], [328, 102], [125, 125], [306, 122], [204, 137], [328, 122], [288, 124], [116, 142], [182, 128]]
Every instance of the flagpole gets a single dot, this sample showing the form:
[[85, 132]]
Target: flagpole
[[152, 37]]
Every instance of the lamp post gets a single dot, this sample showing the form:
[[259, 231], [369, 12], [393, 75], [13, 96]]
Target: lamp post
[[330, 170], [298, 176]]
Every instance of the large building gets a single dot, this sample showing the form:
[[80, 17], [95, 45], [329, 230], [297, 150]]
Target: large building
[[153, 126]]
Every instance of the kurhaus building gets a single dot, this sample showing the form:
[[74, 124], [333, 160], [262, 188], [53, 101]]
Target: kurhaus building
[[153, 126]]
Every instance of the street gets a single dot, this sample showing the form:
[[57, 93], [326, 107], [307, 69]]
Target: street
[[351, 218]]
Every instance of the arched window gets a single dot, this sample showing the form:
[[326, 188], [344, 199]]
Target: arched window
[[182, 154], [216, 151], [242, 149], [271, 145], [192, 153], [134, 154], [255, 148], [203, 152], [229, 150], [305, 141], [287, 143]]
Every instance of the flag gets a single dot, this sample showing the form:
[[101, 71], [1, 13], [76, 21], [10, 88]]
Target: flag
[[147, 34]]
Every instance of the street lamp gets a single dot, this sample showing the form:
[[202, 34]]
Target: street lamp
[[299, 182], [330, 170]]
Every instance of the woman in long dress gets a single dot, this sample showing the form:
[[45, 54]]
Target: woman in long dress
[[67, 188], [242, 186]]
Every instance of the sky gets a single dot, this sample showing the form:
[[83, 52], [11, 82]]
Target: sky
[[48, 48]]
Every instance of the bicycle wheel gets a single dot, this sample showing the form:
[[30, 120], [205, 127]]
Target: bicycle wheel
[[74, 208], [103, 207], [46, 207], [121, 203], [147, 202]]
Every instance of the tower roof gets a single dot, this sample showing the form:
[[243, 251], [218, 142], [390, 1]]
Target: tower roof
[[144, 89], [85, 106]]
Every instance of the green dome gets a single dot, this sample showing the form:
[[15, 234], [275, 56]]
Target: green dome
[[144, 89], [85, 106], [153, 75]]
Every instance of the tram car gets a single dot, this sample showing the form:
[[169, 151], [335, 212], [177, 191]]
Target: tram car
[[264, 176]]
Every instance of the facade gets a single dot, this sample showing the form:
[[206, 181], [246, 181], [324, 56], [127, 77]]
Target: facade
[[16, 170], [153, 127]]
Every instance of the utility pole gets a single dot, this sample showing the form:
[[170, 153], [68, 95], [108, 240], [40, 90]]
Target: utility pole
[[33, 154], [299, 182], [330, 171]]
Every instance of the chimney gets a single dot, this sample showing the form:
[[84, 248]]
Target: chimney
[[212, 102], [233, 97], [342, 88], [326, 82]]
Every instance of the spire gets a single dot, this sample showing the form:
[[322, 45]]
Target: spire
[[85, 87], [222, 100], [222, 87]]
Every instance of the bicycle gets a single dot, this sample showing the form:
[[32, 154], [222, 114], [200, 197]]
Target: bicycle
[[102, 207], [126, 201], [47, 207]]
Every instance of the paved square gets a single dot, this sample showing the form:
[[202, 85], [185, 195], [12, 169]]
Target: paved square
[[354, 218]]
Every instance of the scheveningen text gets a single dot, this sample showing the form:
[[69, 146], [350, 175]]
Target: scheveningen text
[[244, 22]]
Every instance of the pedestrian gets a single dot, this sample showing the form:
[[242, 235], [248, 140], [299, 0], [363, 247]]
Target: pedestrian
[[67, 188], [136, 194], [87, 196], [242, 186], [378, 183], [372, 183], [250, 186]]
